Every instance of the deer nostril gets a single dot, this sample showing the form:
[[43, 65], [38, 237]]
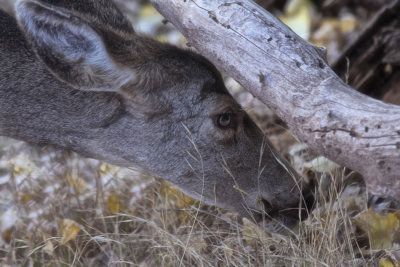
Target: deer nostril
[[300, 211], [265, 211], [268, 208], [309, 201], [307, 204]]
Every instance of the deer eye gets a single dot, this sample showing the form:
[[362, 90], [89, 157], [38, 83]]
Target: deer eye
[[226, 120]]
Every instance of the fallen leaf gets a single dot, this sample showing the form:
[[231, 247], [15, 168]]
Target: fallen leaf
[[25, 197], [49, 248], [320, 164], [387, 262], [7, 235], [7, 222], [148, 11], [69, 230], [380, 228], [178, 200], [76, 182], [114, 203], [332, 32], [106, 168], [348, 23], [297, 16], [108, 172]]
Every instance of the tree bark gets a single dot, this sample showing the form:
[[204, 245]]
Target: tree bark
[[292, 77]]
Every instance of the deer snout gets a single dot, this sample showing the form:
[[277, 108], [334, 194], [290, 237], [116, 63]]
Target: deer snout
[[289, 211], [301, 209]]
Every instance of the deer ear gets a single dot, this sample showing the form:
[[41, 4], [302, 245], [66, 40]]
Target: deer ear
[[71, 49]]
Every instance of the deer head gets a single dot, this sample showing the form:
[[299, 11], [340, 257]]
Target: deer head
[[76, 75]]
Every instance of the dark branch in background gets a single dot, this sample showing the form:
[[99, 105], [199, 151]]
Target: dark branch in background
[[374, 57], [292, 77]]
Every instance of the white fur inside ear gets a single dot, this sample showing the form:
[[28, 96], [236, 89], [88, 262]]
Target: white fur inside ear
[[70, 48]]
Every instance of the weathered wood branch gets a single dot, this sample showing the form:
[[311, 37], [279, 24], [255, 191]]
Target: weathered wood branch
[[291, 76]]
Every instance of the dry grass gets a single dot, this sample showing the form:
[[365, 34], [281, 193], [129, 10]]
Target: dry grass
[[159, 228], [125, 218]]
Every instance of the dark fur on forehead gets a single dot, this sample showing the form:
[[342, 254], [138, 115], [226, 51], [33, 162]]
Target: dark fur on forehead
[[189, 64], [217, 84], [105, 11]]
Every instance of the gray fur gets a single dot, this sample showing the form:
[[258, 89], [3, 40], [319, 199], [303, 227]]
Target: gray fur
[[74, 74]]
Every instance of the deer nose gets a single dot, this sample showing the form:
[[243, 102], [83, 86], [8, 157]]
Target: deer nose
[[299, 211], [303, 207], [308, 200]]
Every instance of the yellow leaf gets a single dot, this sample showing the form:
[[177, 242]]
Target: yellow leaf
[[69, 230], [320, 164], [387, 262], [49, 248], [162, 38], [380, 228], [115, 205], [298, 15], [25, 197], [348, 23], [148, 11], [178, 200], [8, 220], [77, 183], [105, 168], [331, 30], [22, 164]]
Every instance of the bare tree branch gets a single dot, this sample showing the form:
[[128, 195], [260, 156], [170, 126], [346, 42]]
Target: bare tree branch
[[291, 76]]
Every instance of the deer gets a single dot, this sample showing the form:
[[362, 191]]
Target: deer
[[76, 75]]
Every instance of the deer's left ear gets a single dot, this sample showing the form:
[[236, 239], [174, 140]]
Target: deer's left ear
[[71, 49]]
